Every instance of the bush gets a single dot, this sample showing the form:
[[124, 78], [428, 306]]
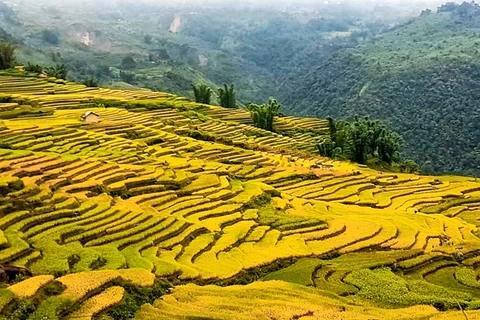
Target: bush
[[98, 263], [73, 260], [200, 135]]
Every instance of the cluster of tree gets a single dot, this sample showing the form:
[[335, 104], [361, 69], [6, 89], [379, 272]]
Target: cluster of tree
[[58, 71], [128, 63], [226, 95], [91, 82], [128, 77], [361, 140], [202, 93], [263, 115]]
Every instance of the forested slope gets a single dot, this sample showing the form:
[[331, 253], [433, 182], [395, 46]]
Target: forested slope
[[423, 77]]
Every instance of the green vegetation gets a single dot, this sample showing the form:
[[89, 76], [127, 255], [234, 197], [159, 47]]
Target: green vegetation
[[135, 297], [7, 55], [58, 71], [419, 77], [300, 272], [34, 68], [202, 93], [388, 290], [361, 140], [50, 37], [128, 63], [227, 97], [263, 115], [91, 82]]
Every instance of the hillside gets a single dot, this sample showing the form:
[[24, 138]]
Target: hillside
[[242, 223], [174, 45], [421, 77]]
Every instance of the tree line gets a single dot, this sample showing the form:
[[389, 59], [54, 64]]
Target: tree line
[[364, 140]]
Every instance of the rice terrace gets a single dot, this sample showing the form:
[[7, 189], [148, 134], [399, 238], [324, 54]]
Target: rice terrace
[[163, 208]]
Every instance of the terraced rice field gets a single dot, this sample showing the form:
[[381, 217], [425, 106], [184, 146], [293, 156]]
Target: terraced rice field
[[243, 223]]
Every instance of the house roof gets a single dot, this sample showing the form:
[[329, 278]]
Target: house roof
[[86, 114]]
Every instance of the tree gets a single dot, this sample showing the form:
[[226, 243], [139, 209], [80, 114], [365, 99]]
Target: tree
[[203, 93], [91, 82], [128, 77], [50, 37], [128, 63], [263, 115], [59, 71], [227, 97], [326, 148], [7, 55], [147, 39]]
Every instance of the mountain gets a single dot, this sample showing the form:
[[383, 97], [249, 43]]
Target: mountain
[[422, 77], [174, 45]]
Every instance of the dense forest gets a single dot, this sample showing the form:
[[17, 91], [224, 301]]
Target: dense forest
[[422, 77]]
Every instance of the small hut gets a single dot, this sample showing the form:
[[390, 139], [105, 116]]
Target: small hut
[[90, 117]]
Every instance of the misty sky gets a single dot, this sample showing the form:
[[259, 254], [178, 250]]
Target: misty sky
[[186, 2]]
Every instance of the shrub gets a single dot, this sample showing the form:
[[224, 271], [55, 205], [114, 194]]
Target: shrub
[[98, 263], [5, 99], [73, 260]]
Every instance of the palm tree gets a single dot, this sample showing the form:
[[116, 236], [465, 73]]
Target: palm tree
[[263, 115], [203, 93], [59, 71], [227, 97]]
